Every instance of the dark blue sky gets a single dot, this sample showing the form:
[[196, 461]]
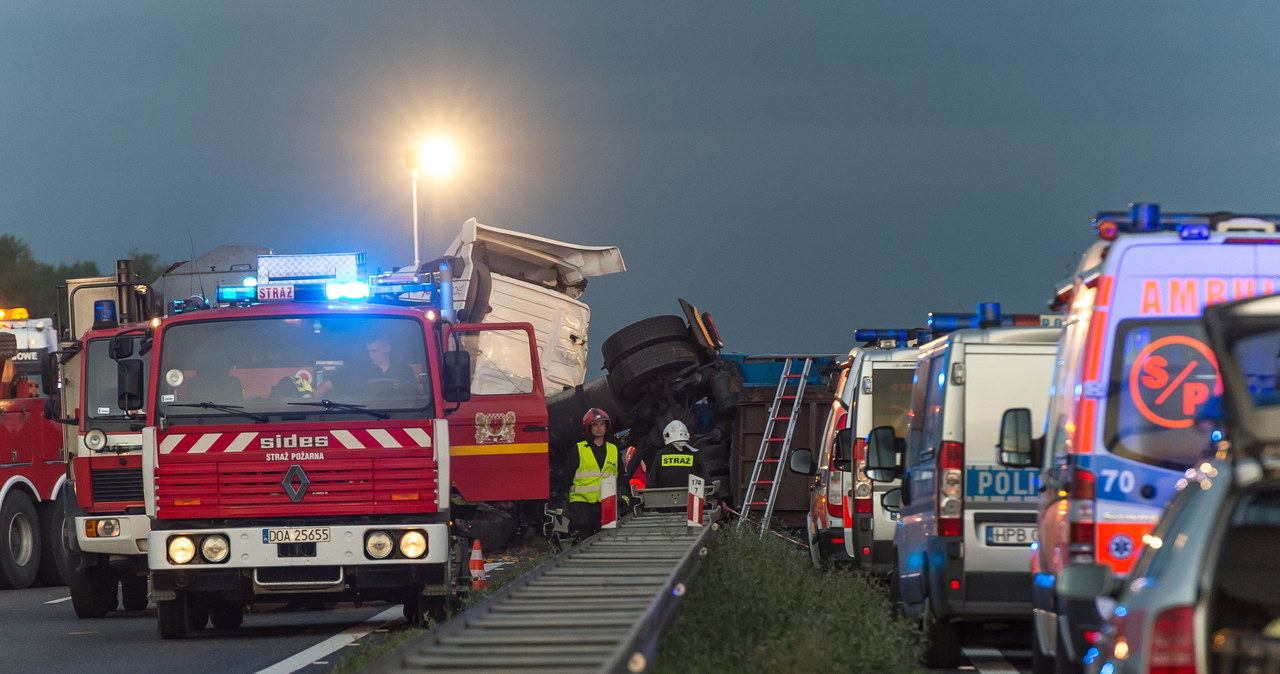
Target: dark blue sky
[[797, 169]]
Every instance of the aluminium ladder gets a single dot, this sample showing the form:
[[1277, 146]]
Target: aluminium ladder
[[773, 450]]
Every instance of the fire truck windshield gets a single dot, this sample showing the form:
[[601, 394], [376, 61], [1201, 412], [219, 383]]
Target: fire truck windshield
[[259, 366]]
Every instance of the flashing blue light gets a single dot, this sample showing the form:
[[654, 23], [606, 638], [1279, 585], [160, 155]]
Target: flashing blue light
[[250, 282], [351, 290], [1193, 232], [1091, 655], [233, 294], [942, 378], [1108, 668], [1216, 435], [1121, 611], [1043, 580]]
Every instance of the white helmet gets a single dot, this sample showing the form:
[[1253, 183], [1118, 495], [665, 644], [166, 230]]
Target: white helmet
[[675, 432]]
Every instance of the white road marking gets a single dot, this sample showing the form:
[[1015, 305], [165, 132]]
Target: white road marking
[[299, 660], [989, 661], [58, 601]]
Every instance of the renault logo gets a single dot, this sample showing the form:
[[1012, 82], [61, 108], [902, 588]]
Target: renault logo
[[295, 483]]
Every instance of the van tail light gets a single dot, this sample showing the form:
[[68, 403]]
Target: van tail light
[[1084, 486], [861, 483], [950, 506], [1173, 642], [835, 494]]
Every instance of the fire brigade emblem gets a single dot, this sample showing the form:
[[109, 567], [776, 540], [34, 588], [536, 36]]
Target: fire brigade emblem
[[495, 428]]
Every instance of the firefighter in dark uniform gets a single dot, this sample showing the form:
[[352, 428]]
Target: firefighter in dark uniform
[[592, 461], [676, 461]]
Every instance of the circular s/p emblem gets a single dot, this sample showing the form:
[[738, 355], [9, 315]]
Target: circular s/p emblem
[[1120, 546]]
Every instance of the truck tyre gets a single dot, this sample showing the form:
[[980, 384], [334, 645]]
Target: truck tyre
[[629, 376], [53, 546], [641, 334], [93, 591], [942, 640], [173, 616], [19, 541], [226, 615], [133, 592]]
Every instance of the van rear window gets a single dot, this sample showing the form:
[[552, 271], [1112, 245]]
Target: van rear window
[[892, 402], [1164, 382]]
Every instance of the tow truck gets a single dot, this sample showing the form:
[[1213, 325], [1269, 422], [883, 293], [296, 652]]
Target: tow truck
[[282, 463]]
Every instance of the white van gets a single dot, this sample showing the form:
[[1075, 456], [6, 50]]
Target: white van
[[965, 524], [844, 517]]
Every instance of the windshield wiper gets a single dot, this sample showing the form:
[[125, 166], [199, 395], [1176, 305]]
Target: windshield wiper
[[230, 409], [345, 407]]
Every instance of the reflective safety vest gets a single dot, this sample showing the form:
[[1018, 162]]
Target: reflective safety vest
[[587, 479]]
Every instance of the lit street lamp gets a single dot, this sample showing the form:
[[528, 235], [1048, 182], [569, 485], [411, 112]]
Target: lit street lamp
[[436, 158]]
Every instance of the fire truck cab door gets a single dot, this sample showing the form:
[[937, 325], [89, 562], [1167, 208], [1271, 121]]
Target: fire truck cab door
[[498, 438]]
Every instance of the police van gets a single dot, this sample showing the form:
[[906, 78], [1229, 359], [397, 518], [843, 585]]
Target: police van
[[965, 523], [842, 517], [1133, 397]]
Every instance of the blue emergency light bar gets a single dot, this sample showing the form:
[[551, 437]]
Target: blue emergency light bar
[[988, 313], [898, 336], [1146, 217]]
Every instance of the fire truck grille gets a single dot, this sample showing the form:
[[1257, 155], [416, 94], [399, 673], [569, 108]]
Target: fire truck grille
[[117, 484], [230, 488]]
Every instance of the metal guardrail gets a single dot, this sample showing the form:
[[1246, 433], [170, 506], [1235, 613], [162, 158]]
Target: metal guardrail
[[601, 606]]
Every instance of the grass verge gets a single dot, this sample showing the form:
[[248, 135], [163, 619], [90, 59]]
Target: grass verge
[[758, 605]]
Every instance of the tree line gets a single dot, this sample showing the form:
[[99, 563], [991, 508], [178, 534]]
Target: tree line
[[27, 282]]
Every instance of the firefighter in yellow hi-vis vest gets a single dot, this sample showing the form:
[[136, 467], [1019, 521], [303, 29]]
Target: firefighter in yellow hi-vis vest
[[593, 461], [676, 461]]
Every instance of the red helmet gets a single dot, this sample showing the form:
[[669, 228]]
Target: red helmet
[[593, 415]]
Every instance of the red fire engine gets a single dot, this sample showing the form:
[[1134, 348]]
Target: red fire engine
[[296, 440]]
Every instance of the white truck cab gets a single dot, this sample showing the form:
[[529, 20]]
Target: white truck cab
[[965, 523]]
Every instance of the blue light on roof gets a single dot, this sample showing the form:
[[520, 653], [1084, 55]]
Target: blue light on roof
[[352, 290], [1193, 232], [1121, 611], [234, 294], [1216, 435]]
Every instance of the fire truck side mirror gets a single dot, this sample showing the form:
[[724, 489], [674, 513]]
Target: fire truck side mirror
[[456, 382], [49, 373], [129, 384], [121, 347]]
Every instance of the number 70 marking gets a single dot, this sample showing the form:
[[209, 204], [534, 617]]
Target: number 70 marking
[[1126, 479]]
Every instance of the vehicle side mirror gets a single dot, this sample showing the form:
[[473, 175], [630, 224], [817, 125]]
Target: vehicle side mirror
[[1017, 449], [1085, 581], [456, 376], [883, 454], [49, 374], [129, 384], [891, 501], [801, 462], [844, 449], [121, 347]]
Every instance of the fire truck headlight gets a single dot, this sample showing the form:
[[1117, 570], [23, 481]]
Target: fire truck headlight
[[108, 528], [413, 544], [181, 549], [378, 544], [215, 548], [95, 439]]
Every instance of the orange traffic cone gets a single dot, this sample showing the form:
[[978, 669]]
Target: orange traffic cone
[[477, 567]]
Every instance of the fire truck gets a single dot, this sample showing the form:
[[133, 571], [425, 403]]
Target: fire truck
[[31, 473], [106, 523], [303, 437]]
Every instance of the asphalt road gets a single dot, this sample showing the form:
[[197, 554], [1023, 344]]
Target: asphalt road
[[39, 632]]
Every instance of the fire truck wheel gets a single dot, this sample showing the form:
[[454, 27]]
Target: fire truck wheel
[[53, 546], [226, 615], [642, 333], [173, 617], [133, 593], [198, 611], [19, 541], [93, 591]]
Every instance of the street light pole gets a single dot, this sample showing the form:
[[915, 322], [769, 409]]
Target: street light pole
[[411, 163], [439, 158]]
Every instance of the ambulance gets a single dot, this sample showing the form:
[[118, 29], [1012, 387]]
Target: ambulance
[[1134, 398]]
